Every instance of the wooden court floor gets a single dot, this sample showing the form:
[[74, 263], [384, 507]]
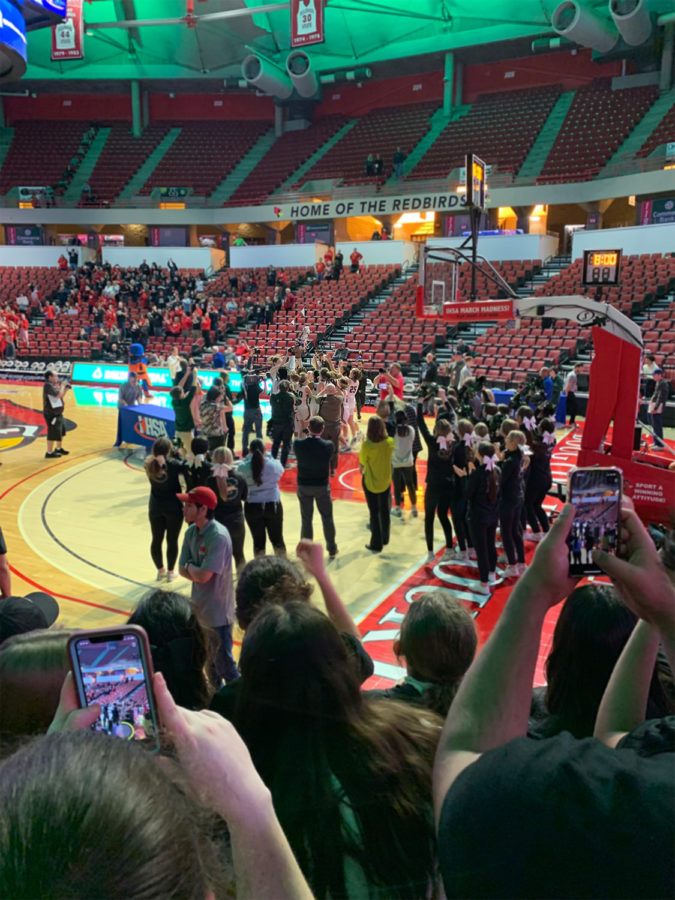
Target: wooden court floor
[[77, 527]]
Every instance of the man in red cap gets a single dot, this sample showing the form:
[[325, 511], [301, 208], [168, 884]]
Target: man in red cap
[[206, 561]]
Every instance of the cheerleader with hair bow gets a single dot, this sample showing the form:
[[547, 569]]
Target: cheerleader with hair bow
[[197, 463], [440, 476], [231, 490], [165, 511], [539, 479], [483, 494]]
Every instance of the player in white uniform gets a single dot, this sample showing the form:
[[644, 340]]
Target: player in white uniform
[[349, 387]]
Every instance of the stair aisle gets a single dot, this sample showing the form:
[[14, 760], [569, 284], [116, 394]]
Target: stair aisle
[[539, 151], [244, 167], [74, 190], [134, 185]]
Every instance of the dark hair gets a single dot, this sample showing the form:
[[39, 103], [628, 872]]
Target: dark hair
[[212, 394], [401, 423], [485, 448], [108, 819], [182, 649], [320, 747], [32, 668], [199, 445], [316, 424], [161, 447], [376, 431], [266, 580], [257, 449], [438, 639], [590, 634]]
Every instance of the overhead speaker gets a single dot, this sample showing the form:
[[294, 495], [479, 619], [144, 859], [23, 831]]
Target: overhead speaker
[[582, 26], [303, 76], [632, 19], [266, 77]]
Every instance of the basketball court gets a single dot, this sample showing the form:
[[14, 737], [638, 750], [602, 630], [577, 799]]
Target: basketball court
[[77, 528]]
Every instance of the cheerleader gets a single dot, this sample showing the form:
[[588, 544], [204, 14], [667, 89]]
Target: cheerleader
[[197, 469], [438, 491], [165, 510], [231, 491], [511, 499], [539, 479], [483, 494], [461, 454]]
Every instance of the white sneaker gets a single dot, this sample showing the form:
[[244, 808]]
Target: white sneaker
[[449, 555], [414, 512], [171, 575], [161, 574], [535, 536], [431, 557], [460, 554], [492, 578], [483, 588], [396, 511], [472, 553], [521, 567]]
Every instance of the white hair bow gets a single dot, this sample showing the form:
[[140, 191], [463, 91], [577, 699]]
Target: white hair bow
[[468, 439], [489, 462], [161, 460], [442, 442], [548, 438], [530, 423], [199, 459], [221, 470]]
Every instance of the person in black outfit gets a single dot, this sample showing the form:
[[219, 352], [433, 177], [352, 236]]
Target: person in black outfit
[[458, 496], [231, 490], [313, 456], [539, 479], [251, 390], [165, 509], [511, 499], [361, 391], [337, 265], [440, 476], [429, 368], [229, 416], [483, 492], [282, 420]]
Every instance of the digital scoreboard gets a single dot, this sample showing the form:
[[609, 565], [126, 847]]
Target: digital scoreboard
[[475, 181], [601, 267]]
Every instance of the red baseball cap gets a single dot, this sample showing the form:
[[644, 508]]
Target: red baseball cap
[[202, 496]]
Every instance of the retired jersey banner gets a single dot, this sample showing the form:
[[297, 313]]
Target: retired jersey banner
[[68, 36], [306, 22]]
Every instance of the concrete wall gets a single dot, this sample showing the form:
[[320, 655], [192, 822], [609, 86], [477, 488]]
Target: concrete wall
[[281, 255], [381, 252], [40, 256], [507, 246], [633, 241], [184, 257]]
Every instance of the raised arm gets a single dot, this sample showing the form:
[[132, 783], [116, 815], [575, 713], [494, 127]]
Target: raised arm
[[493, 702], [422, 425], [311, 556]]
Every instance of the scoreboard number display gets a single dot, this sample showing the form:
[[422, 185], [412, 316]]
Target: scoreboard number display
[[475, 181], [601, 267]]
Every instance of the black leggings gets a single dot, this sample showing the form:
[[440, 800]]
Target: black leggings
[[266, 519], [534, 511], [237, 531], [231, 430], [483, 535], [458, 512], [404, 477], [436, 500], [512, 533], [169, 524]]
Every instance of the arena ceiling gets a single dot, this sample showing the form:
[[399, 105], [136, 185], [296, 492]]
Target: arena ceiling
[[358, 33]]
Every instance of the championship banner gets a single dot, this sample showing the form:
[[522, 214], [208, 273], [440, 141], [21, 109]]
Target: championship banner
[[466, 311], [306, 22], [68, 36]]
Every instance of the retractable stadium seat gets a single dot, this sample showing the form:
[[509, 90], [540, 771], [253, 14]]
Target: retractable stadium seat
[[379, 131], [121, 157], [499, 127], [39, 153], [212, 149], [598, 121]]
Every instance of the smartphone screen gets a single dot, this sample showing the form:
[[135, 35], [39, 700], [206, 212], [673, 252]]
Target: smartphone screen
[[383, 385], [596, 497], [111, 669]]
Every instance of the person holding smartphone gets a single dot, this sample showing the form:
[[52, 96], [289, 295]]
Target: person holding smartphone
[[206, 561]]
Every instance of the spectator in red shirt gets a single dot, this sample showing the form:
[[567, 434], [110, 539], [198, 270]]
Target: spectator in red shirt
[[289, 299], [206, 329], [394, 378], [356, 258], [320, 269], [50, 314], [63, 263], [185, 324]]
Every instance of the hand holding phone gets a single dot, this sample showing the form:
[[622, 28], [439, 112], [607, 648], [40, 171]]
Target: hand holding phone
[[112, 667], [595, 493]]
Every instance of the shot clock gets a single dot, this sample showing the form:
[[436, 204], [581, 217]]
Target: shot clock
[[601, 267]]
